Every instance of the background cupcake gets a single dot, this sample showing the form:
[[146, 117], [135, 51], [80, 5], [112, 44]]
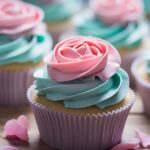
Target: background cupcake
[[23, 43], [80, 106], [147, 8], [119, 22], [58, 14], [141, 73]]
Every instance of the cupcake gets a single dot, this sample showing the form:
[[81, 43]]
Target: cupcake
[[23, 44], [116, 22], [82, 99], [147, 8], [141, 73], [58, 14]]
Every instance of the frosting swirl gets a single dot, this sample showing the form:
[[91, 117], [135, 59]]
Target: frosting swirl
[[118, 11], [61, 8], [121, 36], [79, 57], [85, 92], [24, 49], [18, 17]]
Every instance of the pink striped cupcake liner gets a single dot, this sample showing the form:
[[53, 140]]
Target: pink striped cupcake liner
[[143, 87], [14, 86], [67, 131]]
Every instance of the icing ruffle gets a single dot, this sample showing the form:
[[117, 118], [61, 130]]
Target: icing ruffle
[[118, 11], [18, 17], [121, 36], [79, 57], [24, 49], [84, 92]]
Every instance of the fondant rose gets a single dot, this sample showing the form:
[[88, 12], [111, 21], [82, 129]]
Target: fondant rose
[[118, 11], [17, 17], [80, 56]]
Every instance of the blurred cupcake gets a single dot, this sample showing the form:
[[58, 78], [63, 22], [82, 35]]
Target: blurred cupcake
[[119, 22], [147, 8], [23, 44], [58, 14], [141, 72], [82, 99]]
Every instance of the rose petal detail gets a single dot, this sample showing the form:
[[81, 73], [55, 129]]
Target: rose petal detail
[[118, 11], [80, 57], [144, 138], [8, 148], [17, 127], [18, 17]]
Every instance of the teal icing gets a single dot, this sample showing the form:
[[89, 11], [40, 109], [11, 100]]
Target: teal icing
[[148, 66], [147, 6], [84, 92], [58, 11], [24, 49], [127, 36]]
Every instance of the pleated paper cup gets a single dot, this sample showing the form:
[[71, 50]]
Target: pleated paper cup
[[68, 131], [13, 87], [143, 86]]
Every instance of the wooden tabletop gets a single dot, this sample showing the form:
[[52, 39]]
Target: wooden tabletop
[[136, 120]]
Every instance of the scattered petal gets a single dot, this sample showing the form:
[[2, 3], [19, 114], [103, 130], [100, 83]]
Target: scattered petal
[[144, 138], [8, 148], [17, 128], [126, 146]]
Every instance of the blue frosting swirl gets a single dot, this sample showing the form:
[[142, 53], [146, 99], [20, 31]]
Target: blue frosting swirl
[[121, 36], [24, 49], [57, 11], [84, 92]]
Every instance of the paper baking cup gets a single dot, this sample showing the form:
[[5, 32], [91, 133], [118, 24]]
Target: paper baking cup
[[13, 87], [67, 131], [142, 86]]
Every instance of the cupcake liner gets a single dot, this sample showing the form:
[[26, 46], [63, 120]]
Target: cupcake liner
[[14, 85], [68, 131], [143, 87]]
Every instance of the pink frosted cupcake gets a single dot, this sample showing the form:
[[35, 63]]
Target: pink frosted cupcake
[[23, 44], [141, 73], [82, 99]]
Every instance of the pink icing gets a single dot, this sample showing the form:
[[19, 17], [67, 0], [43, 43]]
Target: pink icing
[[17, 127], [81, 56], [118, 11], [18, 17]]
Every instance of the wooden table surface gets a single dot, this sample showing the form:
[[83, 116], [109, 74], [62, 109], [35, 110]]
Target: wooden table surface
[[137, 119]]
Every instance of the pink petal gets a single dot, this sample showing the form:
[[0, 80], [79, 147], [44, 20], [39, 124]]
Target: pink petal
[[144, 138], [126, 146], [17, 127], [8, 148], [23, 121]]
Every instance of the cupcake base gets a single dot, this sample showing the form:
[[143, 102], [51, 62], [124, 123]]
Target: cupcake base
[[142, 84], [127, 57], [57, 28], [65, 129], [15, 80]]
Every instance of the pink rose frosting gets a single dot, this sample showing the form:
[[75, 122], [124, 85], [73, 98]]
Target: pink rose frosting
[[118, 11], [17, 17], [81, 56]]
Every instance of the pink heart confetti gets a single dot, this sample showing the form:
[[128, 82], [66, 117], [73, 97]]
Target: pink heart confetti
[[17, 128], [144, 138], [8, 148]]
